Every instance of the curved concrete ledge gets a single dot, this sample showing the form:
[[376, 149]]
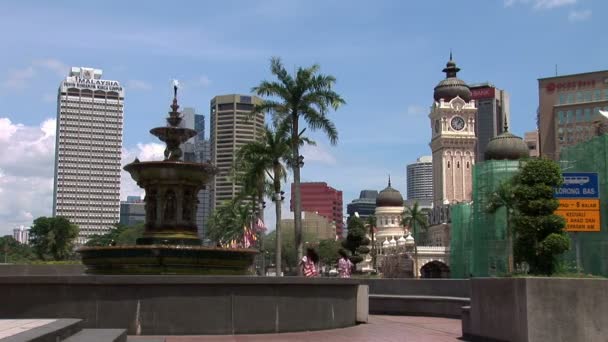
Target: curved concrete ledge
[[185, 305]]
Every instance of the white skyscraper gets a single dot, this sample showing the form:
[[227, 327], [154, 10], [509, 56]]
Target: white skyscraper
[[88, 151]]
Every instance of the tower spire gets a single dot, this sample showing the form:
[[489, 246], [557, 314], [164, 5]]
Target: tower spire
[[389, 179], [450, 53]]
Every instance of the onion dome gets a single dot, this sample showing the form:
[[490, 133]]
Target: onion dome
[[506, 146], [393, 242], [401, 241], [452, 86], [389, 197], [409, 240], [385, 243]]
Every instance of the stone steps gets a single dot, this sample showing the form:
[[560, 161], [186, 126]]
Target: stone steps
[[49, 330]]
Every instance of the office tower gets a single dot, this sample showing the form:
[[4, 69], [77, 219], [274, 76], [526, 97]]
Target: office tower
[[531, 139], [318, 197], [197, 150], [569, 108], [420, 180], [492, 112], [232, 126], [365, 205], [88, 151], [22, 235], [132, 211], [453, 140]]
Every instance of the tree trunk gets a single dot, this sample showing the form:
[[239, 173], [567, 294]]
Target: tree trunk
[[261, 234], [277, 203], [297, 209], [415, 251]]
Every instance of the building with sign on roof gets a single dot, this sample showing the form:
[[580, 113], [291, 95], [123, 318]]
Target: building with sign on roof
[[492, 112], [88, 151], [569, 108]]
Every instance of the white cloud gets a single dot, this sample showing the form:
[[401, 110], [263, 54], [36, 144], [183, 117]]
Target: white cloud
[[317, 153], [416, 110], [204, 81], [26, 172], [541, 4], [582, 15], [143, 152], [54, 65], [138, 85], [19, 78]]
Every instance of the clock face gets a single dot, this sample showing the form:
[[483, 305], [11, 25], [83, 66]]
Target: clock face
[[457, 123]]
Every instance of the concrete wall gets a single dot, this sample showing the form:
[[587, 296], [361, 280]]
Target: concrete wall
[[183, 305], [25, 270], [420, 287], [539, 309]]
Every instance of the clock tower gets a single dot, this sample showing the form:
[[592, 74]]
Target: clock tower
[[453, 139]]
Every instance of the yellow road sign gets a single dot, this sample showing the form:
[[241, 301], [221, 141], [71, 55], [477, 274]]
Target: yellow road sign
[[580, 220], [579, 204]]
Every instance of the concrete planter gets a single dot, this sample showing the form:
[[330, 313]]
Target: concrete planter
[[538, 309]]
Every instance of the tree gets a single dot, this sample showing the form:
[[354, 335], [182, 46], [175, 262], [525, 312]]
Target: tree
[[371, 224], [119, 235], [308, 95], [289, 257], [539, 234], [260, 158], [415, 218], [504, 197], [53, 237], [11, 251], [328, 251], [356, 240], [228, 220]]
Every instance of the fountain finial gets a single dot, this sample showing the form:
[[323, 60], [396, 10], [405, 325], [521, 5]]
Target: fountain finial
[[174, 118]]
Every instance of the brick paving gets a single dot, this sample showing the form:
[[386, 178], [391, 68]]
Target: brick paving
[[379, 328]]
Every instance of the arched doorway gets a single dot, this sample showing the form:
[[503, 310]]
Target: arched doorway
[[435, 269]]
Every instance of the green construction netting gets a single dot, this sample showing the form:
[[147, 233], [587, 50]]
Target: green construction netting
[[590, 156], [478, 246]]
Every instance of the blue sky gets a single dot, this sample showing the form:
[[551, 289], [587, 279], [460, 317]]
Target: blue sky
[[386, 55]]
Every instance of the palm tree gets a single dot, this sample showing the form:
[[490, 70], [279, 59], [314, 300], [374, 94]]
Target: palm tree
[[504, 196], [414, 217], [307, 95], [227, 221], [264, 157]]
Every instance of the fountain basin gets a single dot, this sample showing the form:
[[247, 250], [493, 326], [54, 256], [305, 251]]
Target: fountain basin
[[167, 259]]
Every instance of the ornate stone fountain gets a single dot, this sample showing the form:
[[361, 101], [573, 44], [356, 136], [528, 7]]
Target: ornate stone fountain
[[170, 244]]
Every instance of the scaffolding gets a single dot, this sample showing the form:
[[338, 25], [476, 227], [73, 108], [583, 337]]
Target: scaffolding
[[478, 245], [589, 156]]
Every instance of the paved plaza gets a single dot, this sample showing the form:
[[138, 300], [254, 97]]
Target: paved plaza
[[379, 328], [11, 327]]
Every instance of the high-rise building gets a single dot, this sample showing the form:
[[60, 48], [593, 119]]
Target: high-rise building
[[320, 198], [22, 235], [420, 180], [492, 112], [232, 126], [132, 211], [197, 150], [365, 205], [88, 151], [453, 140], [531, 139], [569, 108]]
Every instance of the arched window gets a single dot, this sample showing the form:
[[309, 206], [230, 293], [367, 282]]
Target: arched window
[[458, 164], [448, 164]]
